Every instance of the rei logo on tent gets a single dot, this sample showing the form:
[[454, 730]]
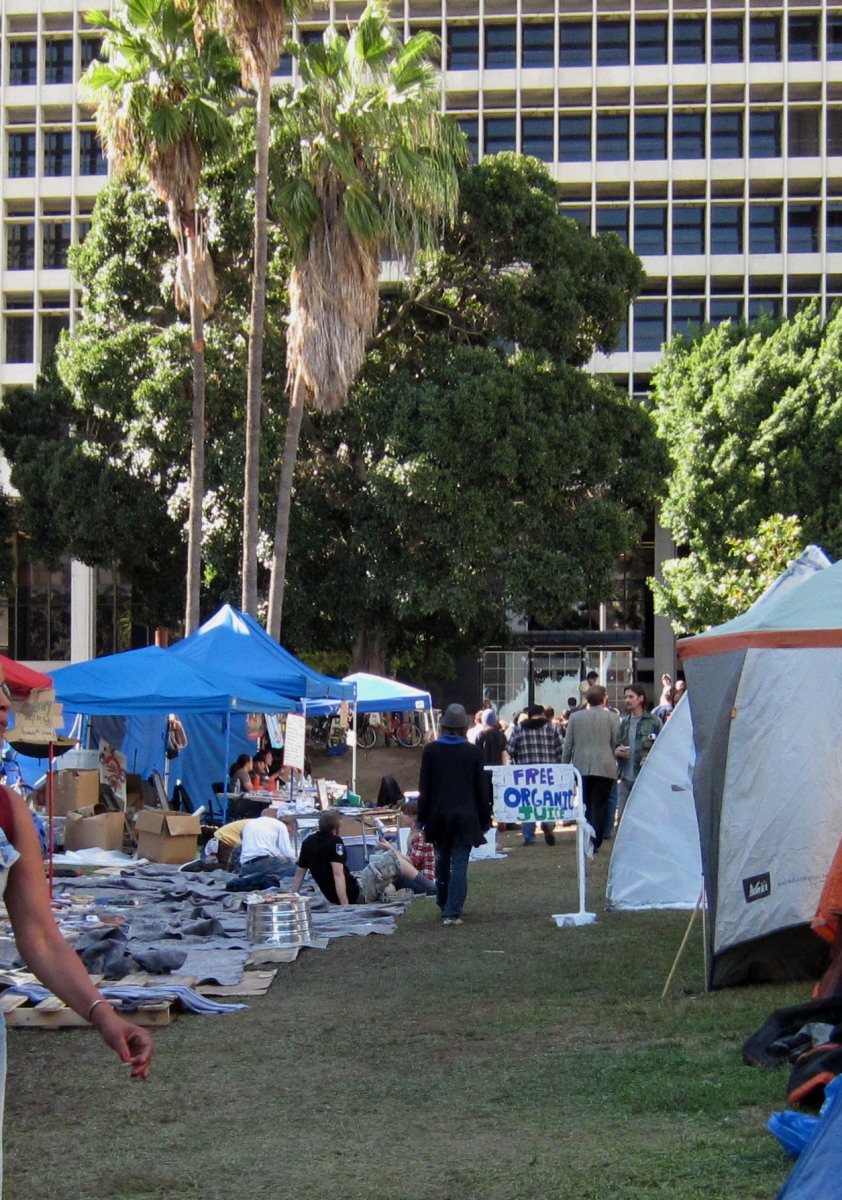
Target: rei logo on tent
[[757, 887]]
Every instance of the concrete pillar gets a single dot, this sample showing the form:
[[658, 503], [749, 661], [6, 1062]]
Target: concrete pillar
[[82, 612]]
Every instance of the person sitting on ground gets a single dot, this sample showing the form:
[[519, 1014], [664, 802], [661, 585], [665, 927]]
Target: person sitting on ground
[[229, 840], [267, 847], [420, 852], [323, 854]]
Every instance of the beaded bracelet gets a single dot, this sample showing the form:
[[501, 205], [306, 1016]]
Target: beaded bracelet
[[101, 1000]]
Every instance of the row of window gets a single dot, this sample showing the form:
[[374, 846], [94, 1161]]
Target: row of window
[[648, 41], [19, 335], [656, 229], [57, 57], [57, 154], [55, 240], [659, 134], [654, 321]]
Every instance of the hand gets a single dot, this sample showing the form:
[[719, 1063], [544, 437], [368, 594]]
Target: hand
[[383, 844], [131, 1042], [622, 752]]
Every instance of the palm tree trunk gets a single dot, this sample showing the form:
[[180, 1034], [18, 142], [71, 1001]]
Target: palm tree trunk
[[251, 487], [197, 453], [279, 553]]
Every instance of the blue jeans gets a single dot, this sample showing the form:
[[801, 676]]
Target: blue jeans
[[452, 879], [420, 885]]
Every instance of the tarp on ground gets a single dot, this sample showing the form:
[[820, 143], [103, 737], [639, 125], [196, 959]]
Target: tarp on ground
[[375, 693], [231, 648], [765, 691]]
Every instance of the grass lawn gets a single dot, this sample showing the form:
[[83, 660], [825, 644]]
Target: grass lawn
[[505, 1059]]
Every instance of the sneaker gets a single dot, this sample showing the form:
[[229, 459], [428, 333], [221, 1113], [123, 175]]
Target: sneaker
[[453, 921], [549, 838]]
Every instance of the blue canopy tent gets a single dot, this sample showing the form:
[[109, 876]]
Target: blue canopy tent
[[377, 694], [128, 697]]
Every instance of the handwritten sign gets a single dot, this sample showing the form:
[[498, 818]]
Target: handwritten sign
[[38, 718], [294, 746], [536, 792]]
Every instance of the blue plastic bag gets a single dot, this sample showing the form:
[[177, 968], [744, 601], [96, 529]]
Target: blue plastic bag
[[795, 1130]]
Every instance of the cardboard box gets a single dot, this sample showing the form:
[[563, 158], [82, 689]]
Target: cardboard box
[[75, 789], [103, 831], [166, 837]]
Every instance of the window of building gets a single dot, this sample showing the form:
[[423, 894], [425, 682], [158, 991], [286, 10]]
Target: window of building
[[650, 230], [687, 316], [726, 229], [58, 61], [650, 324], [21, 158], [574, 137], [284, 67], [500, 134], [650, 43], [39, 617], [91, 159], [804, 38], [23, 62], [833, 48], [726, 134], [612, 44], [55, 242], [833, 234], [688, 229], [20, 344], [834, 131], [500, 47], [614, 220], [470, 128], [90, 48], [764, 133], [688, 40], [582, 216], [113, 613], [575, 44], [536, 137], [764, 228], [622, 344], [52, 325], [803, 229], [83, 228], [803, 139], [765, 39], [759, 306], [725, 309], [20, 245], [726, 39], [612, 137], [537, 45], [688, 135], [650, 136], [462, 47], [58, 153]]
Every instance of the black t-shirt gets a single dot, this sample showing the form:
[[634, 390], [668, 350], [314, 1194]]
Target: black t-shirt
[[318, 853]]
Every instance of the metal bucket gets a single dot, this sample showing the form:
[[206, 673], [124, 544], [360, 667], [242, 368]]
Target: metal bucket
[[279, 920]]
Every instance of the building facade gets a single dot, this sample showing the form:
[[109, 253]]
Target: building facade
[[707, 135]]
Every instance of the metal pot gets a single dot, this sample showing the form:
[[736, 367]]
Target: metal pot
[[278, 920]]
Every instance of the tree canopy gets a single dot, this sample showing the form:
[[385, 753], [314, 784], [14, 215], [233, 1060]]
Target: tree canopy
[[752, 419]]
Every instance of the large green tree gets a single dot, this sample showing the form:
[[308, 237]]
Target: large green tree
[[161, 102], [375, 173], [752, 418]]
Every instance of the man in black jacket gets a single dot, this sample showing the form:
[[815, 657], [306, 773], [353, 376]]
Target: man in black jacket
[[453, 808]]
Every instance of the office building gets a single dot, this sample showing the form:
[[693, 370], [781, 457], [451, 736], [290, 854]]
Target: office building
[[708, 136]]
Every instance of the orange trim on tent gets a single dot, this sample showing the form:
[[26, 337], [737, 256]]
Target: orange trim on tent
[[759, 639]]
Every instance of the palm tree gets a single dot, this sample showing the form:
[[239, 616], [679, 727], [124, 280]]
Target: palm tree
[[376, 173], [258, 29], [161, 105]]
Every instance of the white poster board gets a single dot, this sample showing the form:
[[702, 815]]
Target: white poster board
[[294, 732], [545, 792]]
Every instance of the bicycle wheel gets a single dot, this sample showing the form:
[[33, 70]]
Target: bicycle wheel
[[408, 735], [367, 738]]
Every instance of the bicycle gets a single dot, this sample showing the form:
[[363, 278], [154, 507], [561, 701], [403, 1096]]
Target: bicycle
[[366, 732], [405, 733]]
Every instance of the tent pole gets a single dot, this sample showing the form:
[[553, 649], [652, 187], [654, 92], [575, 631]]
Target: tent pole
[[684, 941], [224, 813], [50, 819], [354, 728]]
